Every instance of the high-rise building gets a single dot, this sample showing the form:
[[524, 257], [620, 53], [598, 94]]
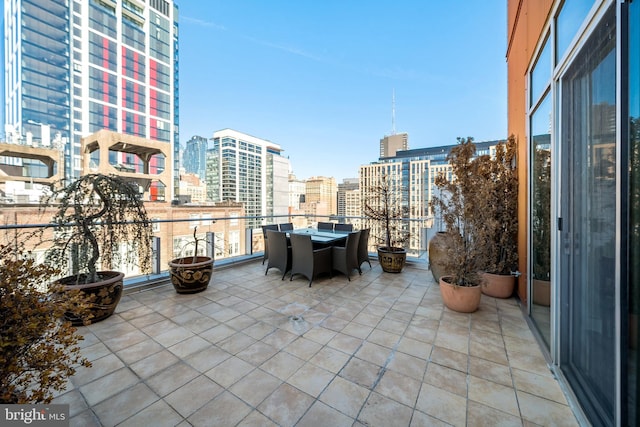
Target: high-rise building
[[412, 174], [347, 185], [391, 144], [194, 157], [192, 188], [250, 170], [320, 189], [73, 68], [297, 189], [349, 205]]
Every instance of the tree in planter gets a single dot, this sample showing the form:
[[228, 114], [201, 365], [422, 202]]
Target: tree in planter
[[38, 351], [459, 201], [383, 205], [191, 274], [499, 213], [98, 218], [499, 217]]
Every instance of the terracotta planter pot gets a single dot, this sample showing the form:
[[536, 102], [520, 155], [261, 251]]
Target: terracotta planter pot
[[392, 260], [463, 299], [498, 285], [189, 277], [438, 246], [541, 292], [106, 292]]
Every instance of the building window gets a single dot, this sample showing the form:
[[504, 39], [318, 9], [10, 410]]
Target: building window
[[568, 22], [541, 74]]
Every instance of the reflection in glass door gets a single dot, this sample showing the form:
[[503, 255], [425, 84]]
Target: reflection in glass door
[[541, 218], [634, 214], [588, 230]]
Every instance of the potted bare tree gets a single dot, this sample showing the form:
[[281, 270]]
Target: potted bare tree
[[458, 202], [100, 222], [191, 274], [499, 215], [384, 207]]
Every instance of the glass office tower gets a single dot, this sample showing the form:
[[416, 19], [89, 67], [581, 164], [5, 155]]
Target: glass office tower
[[75, 67]]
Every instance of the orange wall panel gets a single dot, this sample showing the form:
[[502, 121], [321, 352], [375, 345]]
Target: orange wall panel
[[526, 22]]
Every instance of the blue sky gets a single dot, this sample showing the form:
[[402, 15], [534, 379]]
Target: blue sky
[[317, 77]]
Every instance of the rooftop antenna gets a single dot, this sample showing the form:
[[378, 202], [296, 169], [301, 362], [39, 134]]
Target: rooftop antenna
[[393, 112]]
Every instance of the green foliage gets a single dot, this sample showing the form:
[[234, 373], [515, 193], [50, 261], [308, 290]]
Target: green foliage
[[38, 349], [384, 206], [97, 214], [479, 208]]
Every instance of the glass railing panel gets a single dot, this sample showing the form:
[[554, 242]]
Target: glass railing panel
[[227, 239]]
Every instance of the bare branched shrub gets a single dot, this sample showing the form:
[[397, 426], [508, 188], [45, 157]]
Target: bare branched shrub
[[384, 206], [96, 216], [500, 211], [479, 208], [38, 348]]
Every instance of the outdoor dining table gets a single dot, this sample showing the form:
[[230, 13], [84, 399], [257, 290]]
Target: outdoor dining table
[[322, 238]]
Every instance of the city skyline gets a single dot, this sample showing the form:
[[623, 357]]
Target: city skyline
[[318, 79]]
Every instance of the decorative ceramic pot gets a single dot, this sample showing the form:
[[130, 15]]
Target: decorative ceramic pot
[[497, 285], [189, 277], [463, 299], [392, 260], [104, 295], [437, 250]]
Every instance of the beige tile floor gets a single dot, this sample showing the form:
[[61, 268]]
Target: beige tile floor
[[253, 350]]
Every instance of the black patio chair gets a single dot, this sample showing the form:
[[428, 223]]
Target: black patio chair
[[325, 226], [307, 261], [363, 249], [264, 234], [345, 259], [343, 227], [279, 252], [287, 226]]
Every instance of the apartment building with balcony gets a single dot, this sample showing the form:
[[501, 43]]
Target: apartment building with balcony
[[73, 68], [574, 107]]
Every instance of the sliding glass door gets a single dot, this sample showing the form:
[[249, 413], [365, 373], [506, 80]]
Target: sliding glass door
[[588, 222]]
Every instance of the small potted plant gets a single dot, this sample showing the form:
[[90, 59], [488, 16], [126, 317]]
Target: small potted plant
[[191, 274], [39, 351], [100, 221], [384, 206], [458, 203]]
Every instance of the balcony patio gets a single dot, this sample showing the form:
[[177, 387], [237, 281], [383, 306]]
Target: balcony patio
[[380, 350]]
